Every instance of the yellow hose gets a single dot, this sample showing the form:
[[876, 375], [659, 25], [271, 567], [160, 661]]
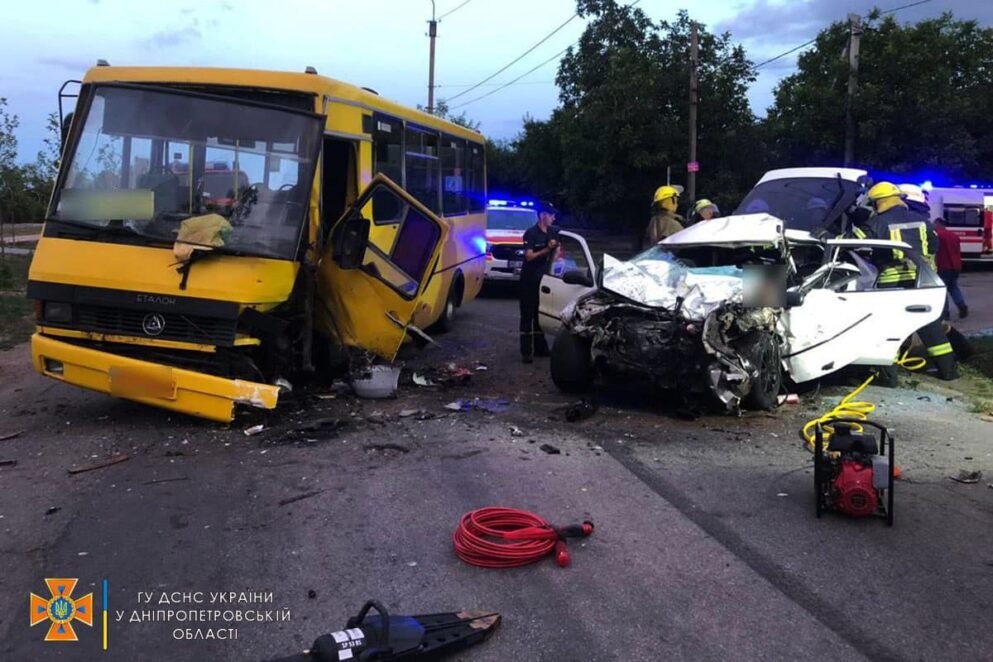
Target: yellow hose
[[849, 407]]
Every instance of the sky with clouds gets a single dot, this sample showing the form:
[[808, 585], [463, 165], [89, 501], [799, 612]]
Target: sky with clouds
[[379, 43]]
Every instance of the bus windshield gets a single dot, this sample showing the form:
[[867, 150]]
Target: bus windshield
[[147, 160]]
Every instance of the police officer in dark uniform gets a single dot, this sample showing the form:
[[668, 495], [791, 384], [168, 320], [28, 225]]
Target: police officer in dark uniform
[[540, 244]]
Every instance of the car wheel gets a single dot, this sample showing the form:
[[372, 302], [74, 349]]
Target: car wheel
[[764, 394], [571, 363]]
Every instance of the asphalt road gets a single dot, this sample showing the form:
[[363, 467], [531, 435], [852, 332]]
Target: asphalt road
[[706, 545]]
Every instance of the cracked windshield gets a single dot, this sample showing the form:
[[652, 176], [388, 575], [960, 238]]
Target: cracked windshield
[[160, 167]]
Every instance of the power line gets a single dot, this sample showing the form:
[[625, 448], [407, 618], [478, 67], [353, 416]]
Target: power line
[[450, 12], [526, 73], [515, 60], [808, 43], [527, 82]]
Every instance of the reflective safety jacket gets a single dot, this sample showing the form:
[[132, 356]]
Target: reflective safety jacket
[[900, 224]]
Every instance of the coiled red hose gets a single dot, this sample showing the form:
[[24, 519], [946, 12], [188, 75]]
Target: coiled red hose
[[510, 538]]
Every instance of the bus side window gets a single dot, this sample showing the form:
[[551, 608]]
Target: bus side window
[[422, 167], [387, 158], [453, 182], [475, 177]]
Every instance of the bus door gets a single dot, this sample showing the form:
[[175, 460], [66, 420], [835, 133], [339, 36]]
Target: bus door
[[371, 287]]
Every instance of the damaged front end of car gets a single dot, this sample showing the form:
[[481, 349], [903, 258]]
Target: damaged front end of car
[[689, 329]]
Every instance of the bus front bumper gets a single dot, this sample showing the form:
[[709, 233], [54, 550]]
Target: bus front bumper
[[186, 391]]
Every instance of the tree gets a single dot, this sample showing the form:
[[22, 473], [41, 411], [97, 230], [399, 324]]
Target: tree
[[924, 100], [623, 117]]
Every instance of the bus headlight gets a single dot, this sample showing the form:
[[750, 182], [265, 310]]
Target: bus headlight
[[57, 312]]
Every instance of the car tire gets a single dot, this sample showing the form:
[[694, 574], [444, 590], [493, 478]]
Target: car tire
[[571, 363], [764, 394]]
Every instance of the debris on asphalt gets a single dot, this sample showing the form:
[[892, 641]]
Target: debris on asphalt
[[453, 374], [255, 429], [117, 459], [421, 380], [377, 382], [299, 497], [925, 398], [516, 431], [311, 594], [11, 435], [491, 406], [165, 480], [8, 463], [53, 510], [789, 399], [284, 385], [551, 450], [411, 564], [580, 411], [783, 494], [321, 428], [407, 413], [481, 367], [967, 477], [373, 448]]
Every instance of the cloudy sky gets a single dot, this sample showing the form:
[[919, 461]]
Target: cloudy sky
[[378, 43]]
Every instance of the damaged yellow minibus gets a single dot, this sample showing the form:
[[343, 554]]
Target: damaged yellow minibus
[[216, 234]]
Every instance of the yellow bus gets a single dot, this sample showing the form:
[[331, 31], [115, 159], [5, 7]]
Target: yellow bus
[[216, 235]]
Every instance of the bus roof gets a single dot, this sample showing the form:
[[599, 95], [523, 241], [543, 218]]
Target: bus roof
[[275, 80]]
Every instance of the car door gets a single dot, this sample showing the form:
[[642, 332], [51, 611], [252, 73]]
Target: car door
[[573, 254], [370, 284], [857, 323]]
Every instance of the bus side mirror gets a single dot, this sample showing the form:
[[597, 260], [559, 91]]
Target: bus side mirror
[[349, 240], [66, 123]]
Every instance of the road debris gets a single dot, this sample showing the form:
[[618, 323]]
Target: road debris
[[8, 463], [516, 431], [117, 459], [491, 406], [580, 411], [967, 477], [385, 448], [255, 429], [377, 382], [311, 594], [53, 510], [321, 428], [165, 480], [421, 380], [789, 399], [481, 367], [11, 435], [407, 413], [551, 450], [299, 497]]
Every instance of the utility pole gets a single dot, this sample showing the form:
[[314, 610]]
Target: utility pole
[[692, 165], [854, 36], [432, 33]]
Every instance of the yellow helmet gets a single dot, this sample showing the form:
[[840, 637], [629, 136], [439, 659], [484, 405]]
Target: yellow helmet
[[664, 193], [883, 190]]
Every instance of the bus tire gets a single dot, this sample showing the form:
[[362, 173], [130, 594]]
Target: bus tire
[[446, 322]]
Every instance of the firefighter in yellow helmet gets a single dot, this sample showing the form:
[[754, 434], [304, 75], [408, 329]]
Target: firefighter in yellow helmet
[[893, 220], [665, 221]]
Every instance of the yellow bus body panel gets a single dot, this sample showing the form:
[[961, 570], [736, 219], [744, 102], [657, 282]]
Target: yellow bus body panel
[[185, 391]]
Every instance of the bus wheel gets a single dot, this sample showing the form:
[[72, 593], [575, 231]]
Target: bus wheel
[[446, 322]]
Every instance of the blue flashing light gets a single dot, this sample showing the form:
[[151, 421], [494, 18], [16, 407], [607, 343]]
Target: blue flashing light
[[498, 203], [973, 186]]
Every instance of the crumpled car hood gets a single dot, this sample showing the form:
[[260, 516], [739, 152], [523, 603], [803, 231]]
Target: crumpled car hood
[[740, 230], [660, 284]]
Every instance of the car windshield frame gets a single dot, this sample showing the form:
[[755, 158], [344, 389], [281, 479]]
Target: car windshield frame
[[179, 138], [801, 208], [510, 212]]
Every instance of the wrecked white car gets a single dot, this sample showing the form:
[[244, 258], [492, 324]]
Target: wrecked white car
[[729, 308]]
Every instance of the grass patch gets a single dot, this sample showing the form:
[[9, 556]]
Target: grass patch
[[16, 324], [975, 382]]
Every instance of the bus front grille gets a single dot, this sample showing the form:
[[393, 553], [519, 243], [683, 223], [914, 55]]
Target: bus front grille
[[161, 326]]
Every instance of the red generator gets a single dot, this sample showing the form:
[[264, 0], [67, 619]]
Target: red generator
[[853, 474]]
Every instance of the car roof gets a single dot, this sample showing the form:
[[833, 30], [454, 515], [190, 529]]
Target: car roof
[[849, 174]]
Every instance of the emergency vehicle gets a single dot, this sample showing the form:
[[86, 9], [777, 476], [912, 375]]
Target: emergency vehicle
[[967, 213], [506, 222]]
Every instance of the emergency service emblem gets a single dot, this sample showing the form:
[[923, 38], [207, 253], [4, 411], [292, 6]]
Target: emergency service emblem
[[153, 324], [61, 609]]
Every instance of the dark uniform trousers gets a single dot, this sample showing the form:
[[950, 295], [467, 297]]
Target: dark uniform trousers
[[532, 337]]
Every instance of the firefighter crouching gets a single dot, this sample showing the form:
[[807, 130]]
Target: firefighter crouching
[[892, 220]]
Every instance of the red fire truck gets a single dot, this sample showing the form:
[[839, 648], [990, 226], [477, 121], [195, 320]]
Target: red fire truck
[[968, 212]]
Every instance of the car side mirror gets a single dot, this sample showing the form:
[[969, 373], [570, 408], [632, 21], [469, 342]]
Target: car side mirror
[[794, 298], [349, 240], [578, 277]]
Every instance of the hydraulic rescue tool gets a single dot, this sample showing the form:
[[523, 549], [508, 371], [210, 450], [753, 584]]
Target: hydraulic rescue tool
[[853, 474], [384, 638]]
